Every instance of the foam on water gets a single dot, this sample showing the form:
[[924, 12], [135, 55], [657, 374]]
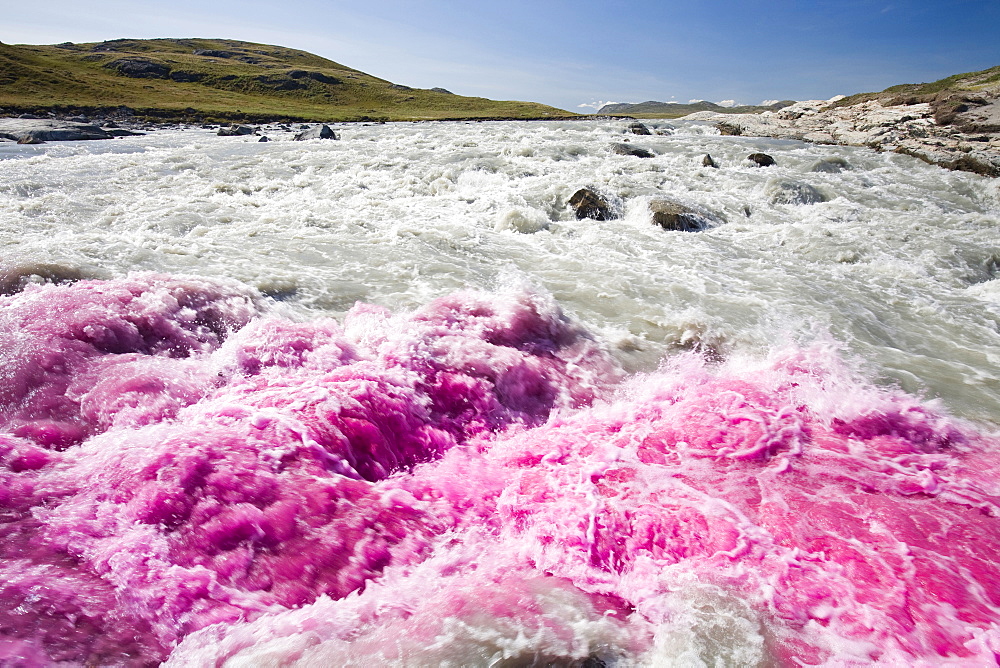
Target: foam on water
[[194, 472]]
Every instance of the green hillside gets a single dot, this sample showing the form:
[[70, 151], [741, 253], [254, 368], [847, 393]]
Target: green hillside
[[983, 81], [218, 79]]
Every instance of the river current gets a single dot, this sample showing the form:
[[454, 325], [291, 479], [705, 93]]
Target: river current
[[387, 401]]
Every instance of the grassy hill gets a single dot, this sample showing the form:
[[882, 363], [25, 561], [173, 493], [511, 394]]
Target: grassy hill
[[652, 109], [969, 82], [221, 80]]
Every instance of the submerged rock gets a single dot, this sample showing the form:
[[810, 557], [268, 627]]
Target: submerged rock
[[317, 132], [792, 192], [830, 165], [263, 139], [628, 149], [673, 216], [588, 204], [708, 162], [30, 140], [761, 159]]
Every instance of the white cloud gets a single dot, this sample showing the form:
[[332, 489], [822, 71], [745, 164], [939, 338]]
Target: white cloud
[[766, 103], [595, 105], [695, 101], [727, 103]]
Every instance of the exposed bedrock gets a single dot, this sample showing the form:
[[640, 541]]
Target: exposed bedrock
[[958, 131]]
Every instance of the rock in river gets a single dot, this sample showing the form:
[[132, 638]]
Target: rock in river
[[761, 159], [673, 216], [628, 149], [317, 132], [50, 130], [588, 204], [236, 131]]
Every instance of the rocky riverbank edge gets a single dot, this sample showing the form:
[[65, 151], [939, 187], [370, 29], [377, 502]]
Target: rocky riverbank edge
[[965, 138], [59, 123]]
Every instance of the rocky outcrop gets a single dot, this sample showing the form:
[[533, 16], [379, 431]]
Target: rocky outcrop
[[138, 68], [315, 76], [588, 204], [954, 130], [638, 128], [628, 149], [317, 132], [40, 130]]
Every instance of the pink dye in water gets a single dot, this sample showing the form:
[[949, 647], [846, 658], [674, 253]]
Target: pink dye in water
[[185, 478]]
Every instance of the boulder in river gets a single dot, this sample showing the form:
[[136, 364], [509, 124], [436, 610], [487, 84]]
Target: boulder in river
[[761, 159], [30, 140], [671, 215], [588, 204], [317, 132], [264, 138], [45, 129], [780, 191], [628, 149], [708, 162], [236, 131], [638, 128]]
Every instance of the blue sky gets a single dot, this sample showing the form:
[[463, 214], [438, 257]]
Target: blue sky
[[570, 53]]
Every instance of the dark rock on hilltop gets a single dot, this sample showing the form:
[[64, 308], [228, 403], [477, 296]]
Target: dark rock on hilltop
[[213, 53], [588, 204], [628, 149], [442, 90], [139, 69], [676, 217], [317, 132], [761, 159], [186, 77], [315, 76]]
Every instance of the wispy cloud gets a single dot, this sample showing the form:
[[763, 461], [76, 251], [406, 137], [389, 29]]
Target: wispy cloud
[[765, 103], [595, 105], [726, 103]]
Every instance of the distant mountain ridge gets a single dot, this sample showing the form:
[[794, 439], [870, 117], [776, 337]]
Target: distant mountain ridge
[[222, 79], [676, 110]]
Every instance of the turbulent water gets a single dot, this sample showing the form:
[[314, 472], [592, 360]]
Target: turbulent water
[[386, 401]]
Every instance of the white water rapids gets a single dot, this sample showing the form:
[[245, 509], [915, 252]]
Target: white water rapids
[[899, 264], [453, 481]]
